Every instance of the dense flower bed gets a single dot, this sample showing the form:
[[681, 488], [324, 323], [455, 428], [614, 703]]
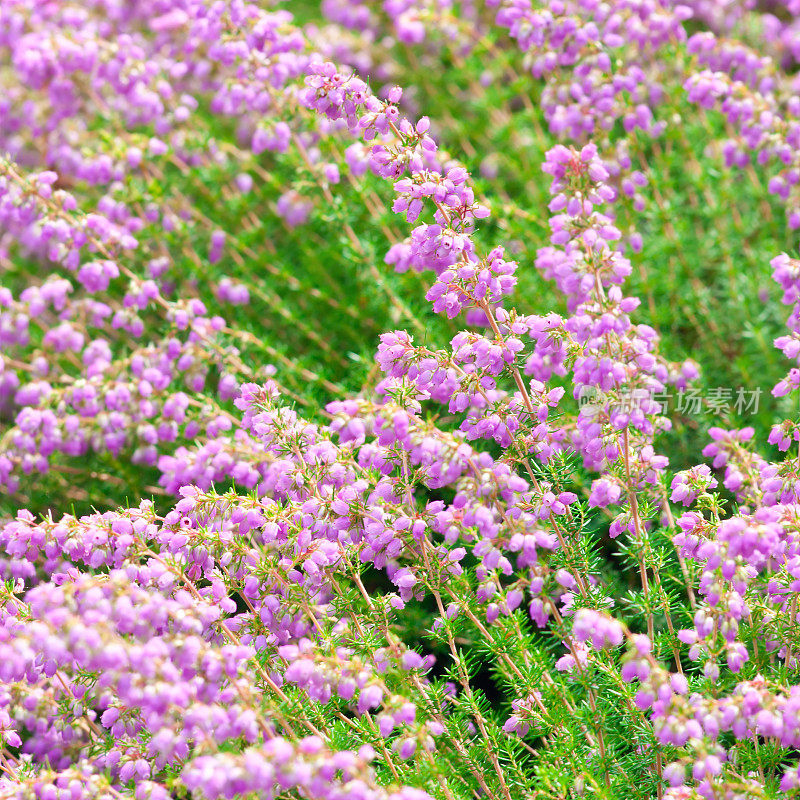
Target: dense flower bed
[[396, 399]]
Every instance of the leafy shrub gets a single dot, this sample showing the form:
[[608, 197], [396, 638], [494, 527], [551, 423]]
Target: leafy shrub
[[389, 404]]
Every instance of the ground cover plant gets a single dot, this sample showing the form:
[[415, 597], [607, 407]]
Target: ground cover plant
[[399, 399]]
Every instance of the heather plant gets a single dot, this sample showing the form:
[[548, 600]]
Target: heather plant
[[396, 400]]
